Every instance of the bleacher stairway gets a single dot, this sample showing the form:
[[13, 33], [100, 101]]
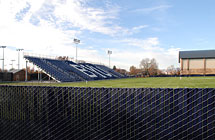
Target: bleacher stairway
[[68, 71]]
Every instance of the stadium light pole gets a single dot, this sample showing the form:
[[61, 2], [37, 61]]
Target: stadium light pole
[[12, 63], [3, 58], [76, 41], [19, 57], [109, 53]]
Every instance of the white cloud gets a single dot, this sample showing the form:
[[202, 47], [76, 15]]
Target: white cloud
[[92, 19], [152, 9], [129, 32], [125, 59], [146, 48], [146, 44], [44, 38], [86, 18], [49, 26], [140, 27]]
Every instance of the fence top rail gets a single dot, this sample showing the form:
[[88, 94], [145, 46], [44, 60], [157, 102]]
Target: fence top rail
[[111, 88]]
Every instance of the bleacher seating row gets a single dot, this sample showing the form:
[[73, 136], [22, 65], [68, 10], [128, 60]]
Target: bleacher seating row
[[68, 71]]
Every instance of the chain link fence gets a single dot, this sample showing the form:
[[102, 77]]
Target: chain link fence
[[72, 113]]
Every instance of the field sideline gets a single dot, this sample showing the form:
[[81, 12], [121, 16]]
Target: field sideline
[[156, 82]]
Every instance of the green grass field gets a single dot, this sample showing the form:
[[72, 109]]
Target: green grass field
[[158, 82]]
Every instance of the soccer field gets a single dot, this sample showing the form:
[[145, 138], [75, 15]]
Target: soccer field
[[157, 82]]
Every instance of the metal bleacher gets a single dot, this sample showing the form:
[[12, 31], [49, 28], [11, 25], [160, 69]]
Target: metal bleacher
[[118, 75], [58, 64], [68, 71], [52, 71]]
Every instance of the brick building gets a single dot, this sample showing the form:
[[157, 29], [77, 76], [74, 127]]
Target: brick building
[[200, 62], [19, 75]]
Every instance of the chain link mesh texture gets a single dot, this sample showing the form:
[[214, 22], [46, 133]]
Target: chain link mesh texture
[[72, 113]]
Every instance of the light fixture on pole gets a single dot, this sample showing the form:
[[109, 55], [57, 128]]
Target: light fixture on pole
[[12, 63], [76, 41], [19, 57], [3, 58], [109, 53]]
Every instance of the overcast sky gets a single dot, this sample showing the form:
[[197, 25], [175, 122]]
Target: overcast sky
[[132, 29]]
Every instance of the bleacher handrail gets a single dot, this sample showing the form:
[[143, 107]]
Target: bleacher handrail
[[57, 58], [25, 54]]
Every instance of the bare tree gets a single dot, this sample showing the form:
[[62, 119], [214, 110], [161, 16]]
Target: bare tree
[[144, 65], [134, 71], [149, 67], [171, 70]]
